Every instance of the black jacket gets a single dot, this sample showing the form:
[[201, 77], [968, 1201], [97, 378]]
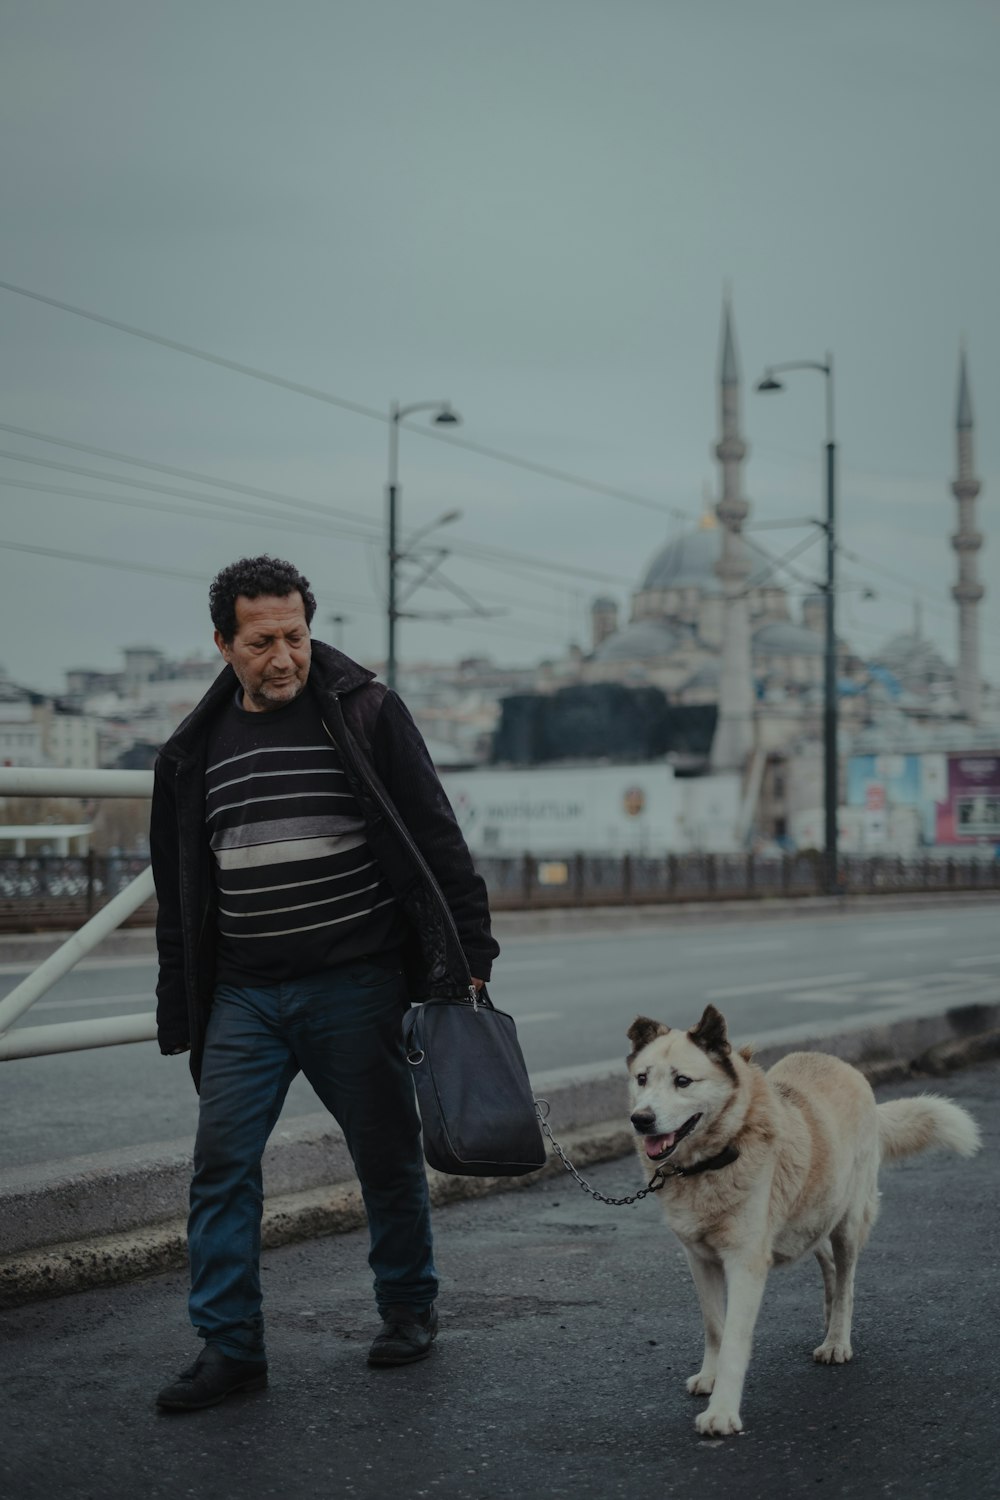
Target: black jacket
[[410, 827]]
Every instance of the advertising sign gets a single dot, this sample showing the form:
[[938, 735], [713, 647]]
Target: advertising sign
[[970, 812], [557, 810]]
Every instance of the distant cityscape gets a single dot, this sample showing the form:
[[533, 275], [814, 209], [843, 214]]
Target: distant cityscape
[[712, 677]]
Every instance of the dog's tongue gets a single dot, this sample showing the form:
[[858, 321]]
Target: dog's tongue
[[657, 1144]]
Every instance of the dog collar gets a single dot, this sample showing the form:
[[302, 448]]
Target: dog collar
[[724, 1158]]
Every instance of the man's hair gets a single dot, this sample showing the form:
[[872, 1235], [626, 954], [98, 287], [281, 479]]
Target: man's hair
[[255, 578]]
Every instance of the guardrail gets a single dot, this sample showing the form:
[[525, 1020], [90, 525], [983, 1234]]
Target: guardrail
[[54, 891], [595, 880], [74, 1036]]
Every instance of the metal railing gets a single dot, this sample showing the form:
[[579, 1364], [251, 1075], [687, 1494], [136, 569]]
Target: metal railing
[[74, 1036], [527, 881]]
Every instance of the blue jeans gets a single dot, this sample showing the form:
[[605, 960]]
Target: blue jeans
[[342, 1028]]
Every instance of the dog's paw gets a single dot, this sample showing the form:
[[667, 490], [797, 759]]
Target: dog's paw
[[831, 1353], [701, 1384], [718, 1423]]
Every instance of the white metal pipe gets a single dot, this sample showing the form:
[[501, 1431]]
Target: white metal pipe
[[101, 924], [31, 781], [75, 1036]]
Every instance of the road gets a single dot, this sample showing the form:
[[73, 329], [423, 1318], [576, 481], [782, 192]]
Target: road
[[573, 997], [567, 1330]]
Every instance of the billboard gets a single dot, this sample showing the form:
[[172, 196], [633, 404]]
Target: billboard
[[970, 810], [956, 795]]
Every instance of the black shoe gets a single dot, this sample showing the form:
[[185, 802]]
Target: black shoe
[[212, 1378], [407, 1335]]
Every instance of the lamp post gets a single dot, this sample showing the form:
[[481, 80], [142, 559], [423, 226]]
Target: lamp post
[[769, 383], [444, 416]]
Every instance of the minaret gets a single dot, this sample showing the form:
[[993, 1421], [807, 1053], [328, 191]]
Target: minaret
[[966, 541], [734, 729]]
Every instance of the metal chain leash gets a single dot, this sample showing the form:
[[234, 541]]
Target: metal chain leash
[[657, 1180]]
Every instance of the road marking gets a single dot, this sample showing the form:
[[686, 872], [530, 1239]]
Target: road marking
[[80, 1002], [879, 993], [773, 945], [84, 965], [953, 981], [893, 935], [970, 963], [822, 997], [783, 984], [519, 965]]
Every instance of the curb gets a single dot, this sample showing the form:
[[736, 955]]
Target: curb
[[317, 1194]]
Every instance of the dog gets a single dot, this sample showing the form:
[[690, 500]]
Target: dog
[[759, 1169]]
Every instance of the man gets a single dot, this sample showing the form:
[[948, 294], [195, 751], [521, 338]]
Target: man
[[312, 880]]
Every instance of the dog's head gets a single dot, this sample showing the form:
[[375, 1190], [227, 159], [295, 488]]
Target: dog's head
[[680, 1082]]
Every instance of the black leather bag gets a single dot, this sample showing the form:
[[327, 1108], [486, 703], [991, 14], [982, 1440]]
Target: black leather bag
[[476, 1104]]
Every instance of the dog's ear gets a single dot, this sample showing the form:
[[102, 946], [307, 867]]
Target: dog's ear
[[710, 1033], [746, 1053], [643, 1030]]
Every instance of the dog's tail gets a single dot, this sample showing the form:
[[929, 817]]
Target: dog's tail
[[906, 1126]]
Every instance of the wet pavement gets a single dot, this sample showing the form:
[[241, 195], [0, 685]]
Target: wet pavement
[[567, 1331]]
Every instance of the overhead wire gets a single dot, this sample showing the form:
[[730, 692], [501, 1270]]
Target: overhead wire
[[505, 628], [483, 550], [253, 372], [372, 413], [248, 515]]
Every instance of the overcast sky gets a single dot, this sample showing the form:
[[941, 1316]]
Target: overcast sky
[[531, 208]]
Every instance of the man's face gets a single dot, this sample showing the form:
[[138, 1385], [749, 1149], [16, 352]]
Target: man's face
[[270, 651]]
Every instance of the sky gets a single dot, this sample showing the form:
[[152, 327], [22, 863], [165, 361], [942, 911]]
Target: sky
[[532, 209]]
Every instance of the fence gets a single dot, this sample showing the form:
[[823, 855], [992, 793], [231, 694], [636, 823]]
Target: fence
[[40, 892], [57, 890], [589, 880]]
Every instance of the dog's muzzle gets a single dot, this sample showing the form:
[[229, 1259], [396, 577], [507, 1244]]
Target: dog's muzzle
[[659, 1147]]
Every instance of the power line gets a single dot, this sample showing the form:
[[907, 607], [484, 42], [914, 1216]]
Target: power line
[[563, 476], [247, 514], [144, 463], [518, 565], [106, 562], [475, 550], [365, 605], [164, 489], [213, 359]]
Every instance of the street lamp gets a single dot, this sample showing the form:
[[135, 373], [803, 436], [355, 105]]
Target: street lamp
[[769, 383], [444, 416]]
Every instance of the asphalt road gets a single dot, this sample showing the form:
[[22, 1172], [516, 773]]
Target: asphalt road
[[567, 1330], [573, 997]]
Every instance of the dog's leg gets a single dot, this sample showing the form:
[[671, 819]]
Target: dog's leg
[[824, 1254], [846, 1241], [745, 1280], [710, 1285]]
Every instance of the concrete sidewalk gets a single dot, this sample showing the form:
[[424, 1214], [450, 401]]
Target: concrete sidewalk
[[568, 1328]]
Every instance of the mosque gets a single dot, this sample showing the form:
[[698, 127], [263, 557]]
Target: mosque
[[739, 659], [711, 621]]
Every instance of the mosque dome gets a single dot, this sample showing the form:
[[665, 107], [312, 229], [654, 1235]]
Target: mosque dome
[[687, 562], [912, 653], [707, 676], [642, 640], [784, 638]]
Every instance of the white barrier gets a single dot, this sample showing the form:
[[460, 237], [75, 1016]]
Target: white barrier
[[74, 1036]]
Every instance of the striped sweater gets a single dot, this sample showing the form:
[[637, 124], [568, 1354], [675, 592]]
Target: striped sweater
[[299, 889]]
